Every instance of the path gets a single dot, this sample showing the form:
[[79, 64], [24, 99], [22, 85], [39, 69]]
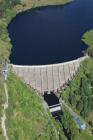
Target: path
[[3, 119]]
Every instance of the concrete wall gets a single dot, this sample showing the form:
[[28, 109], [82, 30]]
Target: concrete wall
[[48, 77]]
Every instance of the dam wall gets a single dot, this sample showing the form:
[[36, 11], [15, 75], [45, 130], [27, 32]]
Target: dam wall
[[47, 78]]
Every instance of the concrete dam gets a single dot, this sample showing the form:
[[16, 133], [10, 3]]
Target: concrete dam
[[47, 78]]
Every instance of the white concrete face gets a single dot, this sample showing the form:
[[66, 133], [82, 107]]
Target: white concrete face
[[38, 79], [48, 77], [58, 108], [32, 76], [56, 77], [44, 79], [72, 69], [61, 75]]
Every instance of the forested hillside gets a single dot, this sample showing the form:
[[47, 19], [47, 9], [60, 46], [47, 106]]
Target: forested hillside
[[88, 39], [79, 94]]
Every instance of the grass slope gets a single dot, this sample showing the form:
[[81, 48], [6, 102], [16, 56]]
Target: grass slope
[[84, 136], [35, 3], [88, 39], [27, 119]]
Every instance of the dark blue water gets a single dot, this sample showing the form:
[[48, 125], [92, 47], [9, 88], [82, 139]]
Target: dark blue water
[[50, 34], [51, 99]]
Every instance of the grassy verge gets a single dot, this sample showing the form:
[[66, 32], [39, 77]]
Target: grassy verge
[[35, 3], [88, 39]]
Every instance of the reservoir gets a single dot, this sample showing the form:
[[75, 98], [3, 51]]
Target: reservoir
[[51, 34]]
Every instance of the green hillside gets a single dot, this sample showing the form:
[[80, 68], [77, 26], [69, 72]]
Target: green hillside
[[26, 117]]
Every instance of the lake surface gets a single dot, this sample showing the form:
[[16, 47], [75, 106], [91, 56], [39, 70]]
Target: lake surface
[[51, 34]]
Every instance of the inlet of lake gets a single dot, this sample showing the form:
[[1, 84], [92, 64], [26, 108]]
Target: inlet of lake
[[51, 34]]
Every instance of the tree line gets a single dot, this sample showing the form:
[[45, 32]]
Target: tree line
[[79, 94]]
